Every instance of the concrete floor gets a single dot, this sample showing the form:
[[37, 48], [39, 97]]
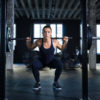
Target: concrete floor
[[19, 83]]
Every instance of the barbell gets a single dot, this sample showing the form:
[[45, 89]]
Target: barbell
[[10, 39], [70, 38], [89, 39]]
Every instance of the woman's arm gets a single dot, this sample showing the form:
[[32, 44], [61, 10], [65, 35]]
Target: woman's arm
[[62, 47], [29, 44]]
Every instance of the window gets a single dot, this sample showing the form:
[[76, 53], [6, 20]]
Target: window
[[38, 32], [56, 32], [14, 36], [81, 35], [59, 34], [98, 41]]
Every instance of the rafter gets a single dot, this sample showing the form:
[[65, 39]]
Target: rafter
[[65, 9], [17, 6], [49, 10], [37, 8], [98, 14], [69, 7], [63, 5], [30, 8], [74, 9], [43, 7], [76, 14], [56, 7], [16, 15], [25, 9]]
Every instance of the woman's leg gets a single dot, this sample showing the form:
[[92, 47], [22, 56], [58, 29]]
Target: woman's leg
[[36, 66], [57, 64]]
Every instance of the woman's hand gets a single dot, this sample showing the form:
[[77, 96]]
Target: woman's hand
[[65, 39], [28, 39]]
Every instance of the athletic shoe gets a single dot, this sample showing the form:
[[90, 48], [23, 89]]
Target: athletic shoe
[[56, 86], [37, 86]]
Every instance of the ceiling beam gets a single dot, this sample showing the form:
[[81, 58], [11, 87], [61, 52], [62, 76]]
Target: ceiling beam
[[74, 9], [63, 5], [77, 13], [43, 7], [56, 7], [17, 6], [49, 10], [46, 10], [98, 15], [16, 14], [69, 7], [98, 4], [98, 10], [78, 18], [37, 8], [30, 8], [25, 9], [52, 9]]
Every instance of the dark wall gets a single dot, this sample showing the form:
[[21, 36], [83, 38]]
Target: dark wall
[[24, 28], [72, 28]]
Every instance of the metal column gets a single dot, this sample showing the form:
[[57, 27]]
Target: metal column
[[2, 47], [84, 51]]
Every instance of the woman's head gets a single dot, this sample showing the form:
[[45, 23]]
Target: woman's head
[[47, 27], [47, 31]]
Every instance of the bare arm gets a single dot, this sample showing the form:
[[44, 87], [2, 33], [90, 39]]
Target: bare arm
[[29, 44], [62, 47]]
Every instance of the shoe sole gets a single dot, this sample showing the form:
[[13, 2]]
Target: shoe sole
[[58, 89], [36, 89]]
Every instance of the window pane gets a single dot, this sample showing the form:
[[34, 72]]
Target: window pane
[[59, 34], [53, 26], [59, 30], [37, 49], [98, 41], [36, 30], [60, 41], [14, 36], [81, 35], [41, 27]]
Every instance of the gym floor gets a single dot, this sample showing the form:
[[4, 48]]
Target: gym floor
[[19, 83]]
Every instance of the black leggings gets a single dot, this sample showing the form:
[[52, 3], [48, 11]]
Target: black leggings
[[38, 64]]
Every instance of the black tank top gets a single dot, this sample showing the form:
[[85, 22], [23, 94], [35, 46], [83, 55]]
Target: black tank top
[[46, 55]]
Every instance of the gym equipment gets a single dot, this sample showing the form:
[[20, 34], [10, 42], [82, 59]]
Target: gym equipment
[[89, 39]]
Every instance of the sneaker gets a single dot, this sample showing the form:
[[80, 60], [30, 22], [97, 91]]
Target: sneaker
[[56, 86], [37, 86]]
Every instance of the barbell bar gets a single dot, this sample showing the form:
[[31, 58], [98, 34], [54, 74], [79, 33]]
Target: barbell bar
[[96, 38], [11, 39], [93, 38], [70, 38]]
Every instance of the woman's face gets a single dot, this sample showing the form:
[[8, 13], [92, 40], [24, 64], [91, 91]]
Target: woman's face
[[47, 33]]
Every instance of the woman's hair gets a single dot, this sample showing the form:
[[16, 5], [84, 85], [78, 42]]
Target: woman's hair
[[47, 26]]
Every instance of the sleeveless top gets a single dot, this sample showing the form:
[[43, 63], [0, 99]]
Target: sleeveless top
[[46, 54]]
